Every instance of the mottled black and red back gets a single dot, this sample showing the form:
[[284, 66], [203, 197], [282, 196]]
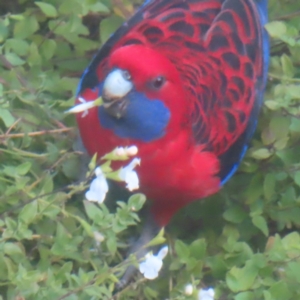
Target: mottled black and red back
[[220, 49]]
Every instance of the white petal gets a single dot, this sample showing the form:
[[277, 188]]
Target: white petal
[[127, 151], [206, 294], [163, 252], [188, 289], [129, 176], [153, 264], [135, 162], [120, 151], [98, 237], [132, 150], [81, 107], [151, 267], [98, 190], [98, 172], [132, 181]]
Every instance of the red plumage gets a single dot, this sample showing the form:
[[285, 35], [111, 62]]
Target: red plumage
[[211, 53]]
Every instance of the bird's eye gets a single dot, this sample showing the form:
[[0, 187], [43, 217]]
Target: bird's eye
[[158, 82], [126, 75]]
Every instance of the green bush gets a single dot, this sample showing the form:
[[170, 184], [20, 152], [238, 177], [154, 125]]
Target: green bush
[[244, 241]]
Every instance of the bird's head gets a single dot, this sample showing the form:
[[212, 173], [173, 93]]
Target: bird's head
[[141, 92]]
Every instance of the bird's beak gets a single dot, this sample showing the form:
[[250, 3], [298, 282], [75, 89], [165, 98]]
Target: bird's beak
[[116, 87]]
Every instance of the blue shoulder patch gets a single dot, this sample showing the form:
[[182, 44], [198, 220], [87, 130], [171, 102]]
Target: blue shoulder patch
[[145, 119]]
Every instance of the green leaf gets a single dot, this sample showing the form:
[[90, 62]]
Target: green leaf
[[48, 9], [47, 184], [3, 31], [287, 66], [34, 57], [269, 185], [280, 291], [295, 125], [23, 168], [99, 7], [111, 245], [71, 166], [14, 59], [281, 143], [198, 249], [182, 249], [158, 240], [235, 214], [18, 46], [245, 296], [291, 244], [87, 227], [261, 154], [276, 29], [293, 91], [108, 26], [3, 267], [297, 178], [279, 126], [93, 211], [48, 48], [272, 105], [260, 223], [13, 249], [7, 117], [26, 27], [242, 279], [29, 212], [136, 201], [70, 7]]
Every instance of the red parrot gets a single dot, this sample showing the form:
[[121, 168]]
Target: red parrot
[[183, 80]]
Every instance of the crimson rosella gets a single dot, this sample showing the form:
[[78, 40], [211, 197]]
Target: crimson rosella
[[183, 80]]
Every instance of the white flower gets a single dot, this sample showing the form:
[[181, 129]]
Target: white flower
[[188, 289], [98, 237], [129, 176], [98, 188], [84, 106], [120, 151], [153, 263], [206, 294], [132, 150], [127, 151]]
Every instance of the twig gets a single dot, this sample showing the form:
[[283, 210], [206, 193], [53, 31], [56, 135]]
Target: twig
[[35, 133], [12, 126], [274, 76], [120, 5], [139, 281], [77, 290], [289, 16], [50, 32], [3, 81], [59, 124]]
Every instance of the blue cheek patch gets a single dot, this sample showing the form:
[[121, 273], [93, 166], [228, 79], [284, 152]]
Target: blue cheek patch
[[145, 119]]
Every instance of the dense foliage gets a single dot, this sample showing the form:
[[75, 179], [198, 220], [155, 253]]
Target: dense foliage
[[244, 241]]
